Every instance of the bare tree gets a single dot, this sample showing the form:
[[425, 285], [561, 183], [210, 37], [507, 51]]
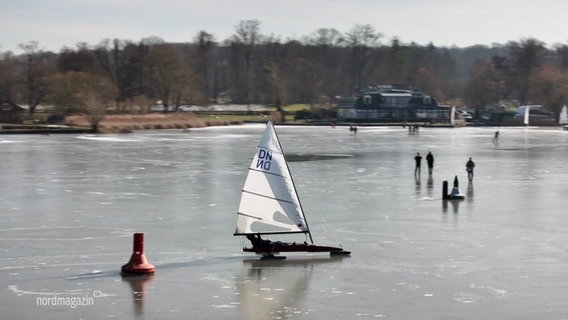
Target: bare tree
[[271, 84], [322, 63], [81, 59], [170, 80], [8, 76], [525, 56], [427, 81], [64, 91], [203, 65], [36, 68], [484, 86], [123, 63], [395, 64], [549, 86], [242, 47], [326, 37], [360, 39], [97, 95], [562, 52]]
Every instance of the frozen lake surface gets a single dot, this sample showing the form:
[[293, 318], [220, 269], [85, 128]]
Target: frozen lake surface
[[69, 205]]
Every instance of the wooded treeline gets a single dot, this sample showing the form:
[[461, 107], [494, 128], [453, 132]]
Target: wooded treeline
[[252, 68]]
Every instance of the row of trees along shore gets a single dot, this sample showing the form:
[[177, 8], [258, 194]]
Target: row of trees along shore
[[252, 68]]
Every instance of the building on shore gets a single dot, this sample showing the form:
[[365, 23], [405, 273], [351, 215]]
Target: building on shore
[[10, 112], [392, 103]]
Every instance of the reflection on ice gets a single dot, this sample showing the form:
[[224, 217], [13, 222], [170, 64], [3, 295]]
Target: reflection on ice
[[277, 288], [315, 157], [138, 287], [455, 204]]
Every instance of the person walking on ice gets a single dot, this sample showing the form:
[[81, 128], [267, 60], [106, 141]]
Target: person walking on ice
[[469, 165], [496, 137], [430, 160], [418, 160]]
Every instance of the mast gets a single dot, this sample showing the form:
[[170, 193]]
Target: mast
[[292, 179]]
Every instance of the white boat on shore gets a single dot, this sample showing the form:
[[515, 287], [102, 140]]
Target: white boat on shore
[[563, 118]]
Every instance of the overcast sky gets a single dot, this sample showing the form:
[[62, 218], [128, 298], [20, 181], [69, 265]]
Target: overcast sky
[[55, 24]]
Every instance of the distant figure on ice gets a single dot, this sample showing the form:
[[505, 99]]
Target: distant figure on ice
[[353, 130], [413, 128], [430, 160], [418, 159], [469, 165], [496, 137]]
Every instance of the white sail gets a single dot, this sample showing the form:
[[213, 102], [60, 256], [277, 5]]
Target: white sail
[[527, 114], [452, 115], [563, 119], [269, 201]]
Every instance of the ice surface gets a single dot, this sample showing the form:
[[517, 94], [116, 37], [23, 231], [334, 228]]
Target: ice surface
[[69, 205]]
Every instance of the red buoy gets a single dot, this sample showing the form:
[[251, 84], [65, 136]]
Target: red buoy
[[138, 263]]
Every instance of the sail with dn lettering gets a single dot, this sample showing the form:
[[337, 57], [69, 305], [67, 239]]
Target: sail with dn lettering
[[270, 204]]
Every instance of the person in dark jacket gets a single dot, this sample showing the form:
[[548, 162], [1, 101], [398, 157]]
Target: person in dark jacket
[[418, 159], [257, 241], [469, 165], [430, 160]]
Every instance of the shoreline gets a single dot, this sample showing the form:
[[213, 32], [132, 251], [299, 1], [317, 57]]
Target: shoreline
[[119, 124], [79, 124]]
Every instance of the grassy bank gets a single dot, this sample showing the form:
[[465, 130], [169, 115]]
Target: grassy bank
[[150, 121], [153, 121]]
